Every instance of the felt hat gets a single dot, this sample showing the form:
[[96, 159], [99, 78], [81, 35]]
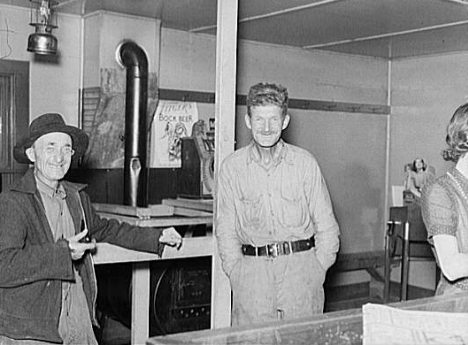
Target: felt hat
[[50, 123]]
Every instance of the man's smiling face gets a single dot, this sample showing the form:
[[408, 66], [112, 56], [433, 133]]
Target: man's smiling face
[[51, 154]]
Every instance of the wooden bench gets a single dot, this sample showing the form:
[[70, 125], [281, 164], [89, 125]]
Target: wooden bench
[[349, 296], [368, 261]]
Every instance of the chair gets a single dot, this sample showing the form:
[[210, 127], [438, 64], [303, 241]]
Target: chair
[[405, 241]]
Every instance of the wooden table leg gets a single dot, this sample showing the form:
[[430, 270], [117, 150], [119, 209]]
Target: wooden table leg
[[405, 264], [140, 302], [389, 243]]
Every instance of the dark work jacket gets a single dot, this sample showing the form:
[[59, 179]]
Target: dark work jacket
[[33, 266]]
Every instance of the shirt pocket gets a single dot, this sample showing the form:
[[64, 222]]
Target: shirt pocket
[[252, 212], [293, 208]]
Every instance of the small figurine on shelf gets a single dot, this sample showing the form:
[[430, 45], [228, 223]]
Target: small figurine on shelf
[[417, 175]]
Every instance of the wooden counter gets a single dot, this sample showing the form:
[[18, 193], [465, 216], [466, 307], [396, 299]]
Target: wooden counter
[[172, 214], [337, 328], [109, 254]]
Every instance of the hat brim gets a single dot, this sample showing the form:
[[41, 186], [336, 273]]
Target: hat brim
[[79, 138]]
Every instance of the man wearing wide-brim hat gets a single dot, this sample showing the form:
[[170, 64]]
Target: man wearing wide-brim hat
[[47, 281]]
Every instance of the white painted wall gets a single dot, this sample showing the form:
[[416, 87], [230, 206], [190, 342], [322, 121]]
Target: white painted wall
[[425, 92], [188, 62], [53, 82], [104, 31], [318, 75]]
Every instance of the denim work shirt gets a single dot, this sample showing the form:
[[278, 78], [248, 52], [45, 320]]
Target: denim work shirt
[[287, 202], [75, 324]]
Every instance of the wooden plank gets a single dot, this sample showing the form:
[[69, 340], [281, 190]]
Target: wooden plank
[[343, 107], [192, 247], [359, 261], [181, 211], [140, 302], [140, 212], [342, 327], [225, 116], [368, 261], [350, 303], [160, 221], [187, 96], [375, 274], [90, 98], [202, 205], [109, 254]]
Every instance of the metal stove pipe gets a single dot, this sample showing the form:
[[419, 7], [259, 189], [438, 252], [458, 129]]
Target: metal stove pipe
[[131, 56]]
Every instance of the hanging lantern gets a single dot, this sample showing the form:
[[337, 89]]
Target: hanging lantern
[[44, 20]]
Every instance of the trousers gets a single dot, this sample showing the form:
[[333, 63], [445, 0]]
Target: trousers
[[264, 288]]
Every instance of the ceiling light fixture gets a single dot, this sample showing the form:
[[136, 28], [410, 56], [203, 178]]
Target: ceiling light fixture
[[44, 19]]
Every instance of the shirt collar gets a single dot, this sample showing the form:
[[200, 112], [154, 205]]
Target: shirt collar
[[48, 190], [279, 155]]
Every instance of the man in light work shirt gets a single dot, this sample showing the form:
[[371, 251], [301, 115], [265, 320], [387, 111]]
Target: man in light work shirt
[[276, 231]]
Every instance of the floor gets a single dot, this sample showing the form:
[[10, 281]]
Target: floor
[[114, 333]]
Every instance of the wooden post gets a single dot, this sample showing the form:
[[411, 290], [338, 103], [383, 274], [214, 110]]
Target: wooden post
[[140, 302], [225, 105]]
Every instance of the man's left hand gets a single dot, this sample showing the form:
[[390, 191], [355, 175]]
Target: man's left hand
[[171, 237], [78, 247]]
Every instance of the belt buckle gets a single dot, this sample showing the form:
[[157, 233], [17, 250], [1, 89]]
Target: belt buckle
[[273, 250]]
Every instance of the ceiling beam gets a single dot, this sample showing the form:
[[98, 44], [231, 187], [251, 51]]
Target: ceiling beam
[[387, 35], [272, 14], [463, 2]]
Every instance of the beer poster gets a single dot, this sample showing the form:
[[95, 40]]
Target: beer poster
[[172, 121]]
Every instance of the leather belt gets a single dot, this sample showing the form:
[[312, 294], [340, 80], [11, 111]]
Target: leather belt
[[279, 248]]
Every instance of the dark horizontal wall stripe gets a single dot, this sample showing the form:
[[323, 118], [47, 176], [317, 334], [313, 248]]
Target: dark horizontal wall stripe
[[303, 104], [339, 106], [186, 96]]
